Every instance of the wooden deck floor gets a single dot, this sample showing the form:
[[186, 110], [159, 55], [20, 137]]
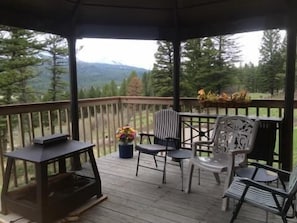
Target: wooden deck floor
[[145, 199]]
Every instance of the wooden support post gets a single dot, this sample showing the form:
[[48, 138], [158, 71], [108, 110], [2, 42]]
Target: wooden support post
[[287, 137], [176, 75]]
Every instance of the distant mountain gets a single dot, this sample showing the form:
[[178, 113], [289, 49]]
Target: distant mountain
[[88, 74], [100, 73]]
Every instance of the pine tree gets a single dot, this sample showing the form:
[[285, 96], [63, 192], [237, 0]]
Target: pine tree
[[123, 88], [134, 87], [81, 93], [163, 70], [92, 92], [106, 91], [227, 55], [57, 48], [147, 86], [113, 88], [271, 62], [193, 66], [248, 78], [19, 50], [209, 63], [131, 76]]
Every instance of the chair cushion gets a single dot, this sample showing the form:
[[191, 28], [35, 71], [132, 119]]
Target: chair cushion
[[180, 154], [152, 148]]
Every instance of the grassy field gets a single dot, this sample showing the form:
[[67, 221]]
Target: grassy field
[[277, 96], [259, 95]]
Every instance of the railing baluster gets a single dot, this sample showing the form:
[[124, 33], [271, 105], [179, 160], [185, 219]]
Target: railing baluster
[[82, 121], [50, 123], [108, 127], [40, 123], [140, 127], [103, 116], [97, 131], [59, 121], [103, 110], [147, 112], [67, 120], [90, 123], [113, 127]]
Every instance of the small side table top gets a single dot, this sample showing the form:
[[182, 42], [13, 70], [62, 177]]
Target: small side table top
[[180, 154], [264, 176]]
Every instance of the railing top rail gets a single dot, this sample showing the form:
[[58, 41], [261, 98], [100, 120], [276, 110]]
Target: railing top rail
[[32, 107], [47, 106]]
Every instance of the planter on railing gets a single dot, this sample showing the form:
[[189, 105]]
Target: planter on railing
[[225, 104], [236, 100]]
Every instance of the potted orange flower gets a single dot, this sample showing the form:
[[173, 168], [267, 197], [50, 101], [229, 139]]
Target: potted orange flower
[[125, 136], [237, 100]]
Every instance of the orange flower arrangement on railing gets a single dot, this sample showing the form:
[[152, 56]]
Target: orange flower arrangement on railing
[[237, 99]]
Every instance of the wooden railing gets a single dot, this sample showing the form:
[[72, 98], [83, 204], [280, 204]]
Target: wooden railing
[[99, 119]]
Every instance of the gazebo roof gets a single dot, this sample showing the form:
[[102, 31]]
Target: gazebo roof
[[145, 19]]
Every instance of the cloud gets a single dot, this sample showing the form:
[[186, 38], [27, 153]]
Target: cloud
[[139, 53]]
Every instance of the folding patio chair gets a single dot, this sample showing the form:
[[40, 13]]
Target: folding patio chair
[[164, 139], [271, 199]]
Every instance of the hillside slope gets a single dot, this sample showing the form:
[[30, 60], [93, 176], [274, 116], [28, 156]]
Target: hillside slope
[[88, 74]]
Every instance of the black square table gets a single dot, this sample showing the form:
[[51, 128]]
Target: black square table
[[50, 197]]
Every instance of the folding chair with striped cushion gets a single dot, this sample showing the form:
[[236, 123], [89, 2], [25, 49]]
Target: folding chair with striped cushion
[[164, 139], [271, 199]]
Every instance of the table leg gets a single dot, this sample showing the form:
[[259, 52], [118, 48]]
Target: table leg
[[182, 173]]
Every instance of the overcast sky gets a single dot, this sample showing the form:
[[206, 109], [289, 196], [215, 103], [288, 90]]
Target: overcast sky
[[140, 53]]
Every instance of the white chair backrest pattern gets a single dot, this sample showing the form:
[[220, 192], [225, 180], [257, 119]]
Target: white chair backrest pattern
[[166, 124], [234, 133]]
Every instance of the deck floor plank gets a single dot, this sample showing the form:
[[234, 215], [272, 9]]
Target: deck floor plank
[[144, 199], [152, 201]]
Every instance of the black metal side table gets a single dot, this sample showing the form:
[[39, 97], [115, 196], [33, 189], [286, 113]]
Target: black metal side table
[[262, 175]]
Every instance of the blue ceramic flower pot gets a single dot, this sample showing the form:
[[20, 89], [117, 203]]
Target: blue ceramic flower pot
[[126, 150]]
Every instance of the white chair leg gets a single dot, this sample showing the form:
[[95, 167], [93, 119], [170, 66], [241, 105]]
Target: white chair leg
[[216, 175], [225, 204], [228, 180]]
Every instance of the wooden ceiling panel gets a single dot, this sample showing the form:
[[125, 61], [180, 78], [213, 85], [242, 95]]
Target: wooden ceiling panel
[[131, 17]]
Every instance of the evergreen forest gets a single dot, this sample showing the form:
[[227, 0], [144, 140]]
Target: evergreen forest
[[34, 67]]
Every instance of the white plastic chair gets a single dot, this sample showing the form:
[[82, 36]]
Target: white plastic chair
[[233, 138]]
